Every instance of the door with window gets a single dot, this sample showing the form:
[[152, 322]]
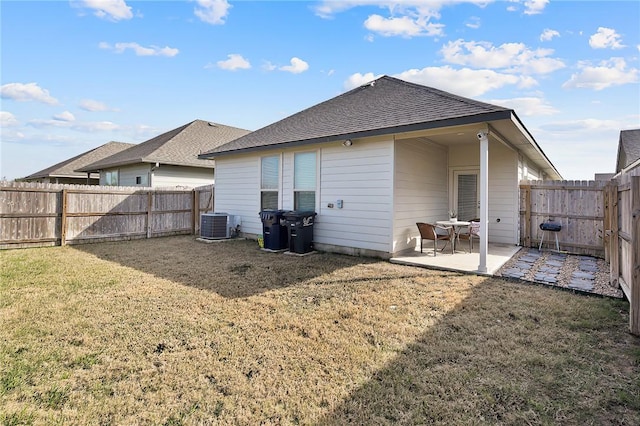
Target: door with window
[[466, 193]]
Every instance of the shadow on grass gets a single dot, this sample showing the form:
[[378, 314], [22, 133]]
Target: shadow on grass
[[231, 268], [509, 354]]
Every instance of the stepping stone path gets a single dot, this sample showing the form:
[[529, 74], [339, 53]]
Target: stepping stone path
[[584, 277], [550, 269], [523, 265]]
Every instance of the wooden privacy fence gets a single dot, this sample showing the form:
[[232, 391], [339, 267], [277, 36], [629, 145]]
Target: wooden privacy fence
[[624, 236], [49, 214], [578, 206]]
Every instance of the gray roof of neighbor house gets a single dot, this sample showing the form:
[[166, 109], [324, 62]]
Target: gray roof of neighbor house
[[628, 148], [178, 147], [68, 167], [385, 105]]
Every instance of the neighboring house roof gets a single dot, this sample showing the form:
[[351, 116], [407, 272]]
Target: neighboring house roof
[[67, 168], [628, 148], [385, 105], [179, 146]]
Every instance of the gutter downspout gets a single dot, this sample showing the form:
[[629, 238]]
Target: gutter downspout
[[484, 200]]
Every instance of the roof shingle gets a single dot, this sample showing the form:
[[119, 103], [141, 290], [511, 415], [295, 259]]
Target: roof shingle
[[385, 105], [179, 146], [628, 148]]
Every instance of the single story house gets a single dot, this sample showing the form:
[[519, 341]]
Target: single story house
[[377, 159], [168, 160], [628, 161], [65, 171]]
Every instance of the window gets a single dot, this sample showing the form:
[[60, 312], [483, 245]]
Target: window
[[141, 180], [304, 181], [111, 178], [269, 182]]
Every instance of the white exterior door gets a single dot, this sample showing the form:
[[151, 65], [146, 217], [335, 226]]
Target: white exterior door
[[466, 190]]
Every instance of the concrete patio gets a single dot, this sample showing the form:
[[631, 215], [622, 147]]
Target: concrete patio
[[461, 260]]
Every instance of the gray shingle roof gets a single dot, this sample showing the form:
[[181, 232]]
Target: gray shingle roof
[[68, 167], [386, 105], [628, 148], [179, 146]]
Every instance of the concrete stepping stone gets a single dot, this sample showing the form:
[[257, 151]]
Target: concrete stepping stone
[[528, 259], [588, 268], [525, 266], [513, 273], [580, 284], [554, 263], [583, 275], [550, 279], [549, 269]]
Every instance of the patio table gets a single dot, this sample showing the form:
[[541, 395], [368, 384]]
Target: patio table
[[456, 224]]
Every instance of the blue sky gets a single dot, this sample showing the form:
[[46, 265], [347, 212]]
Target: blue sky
[[77, 74]]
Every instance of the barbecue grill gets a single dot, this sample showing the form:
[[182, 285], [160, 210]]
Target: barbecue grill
[[551, 227]]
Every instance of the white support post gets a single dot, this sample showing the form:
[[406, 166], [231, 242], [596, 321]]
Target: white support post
[[484, 200]]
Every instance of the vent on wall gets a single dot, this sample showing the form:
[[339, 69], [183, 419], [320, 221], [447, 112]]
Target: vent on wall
[[214, 226]]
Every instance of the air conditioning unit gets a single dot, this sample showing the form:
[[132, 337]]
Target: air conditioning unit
[[214, 226]]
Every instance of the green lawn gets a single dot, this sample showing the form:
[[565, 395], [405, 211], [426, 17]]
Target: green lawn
[[173, 331]]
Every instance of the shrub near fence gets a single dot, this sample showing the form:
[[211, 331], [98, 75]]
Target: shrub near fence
[[48, 214]]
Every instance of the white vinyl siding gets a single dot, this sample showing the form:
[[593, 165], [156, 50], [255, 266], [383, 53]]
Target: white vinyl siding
[[421, 189], [503, 186], [128, 174], [237, 190], [171, 176], [362, 177]]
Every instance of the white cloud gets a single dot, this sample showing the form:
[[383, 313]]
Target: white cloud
[[357, 80], [534, 7], [64, 116], [140, 50], [268, 66], [514, 57], [605, 38], [7, 119], [465, 81], [404, 26], [27, 92], [87, 126], [297, 66], [613, 72], [526, 106], [114, 10], [94, 106], [212, 11], [235, 62], [473, 22], [548, 34]]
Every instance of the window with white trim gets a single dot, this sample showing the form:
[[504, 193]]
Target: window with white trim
[[304, 181], [111, 178], [269, 182]]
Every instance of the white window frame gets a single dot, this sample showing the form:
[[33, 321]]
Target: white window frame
[[278, 191], [107, 177], [317, 174]]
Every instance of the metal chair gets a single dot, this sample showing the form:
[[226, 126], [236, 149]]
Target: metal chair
[[429, 231], [472, 233]]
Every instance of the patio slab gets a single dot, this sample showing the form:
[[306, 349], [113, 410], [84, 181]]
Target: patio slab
[[460, 261]]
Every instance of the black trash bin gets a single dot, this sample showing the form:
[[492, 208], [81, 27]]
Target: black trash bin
[[274, 234], [300, 226]]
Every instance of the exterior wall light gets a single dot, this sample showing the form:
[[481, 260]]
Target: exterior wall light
[[348, 142]]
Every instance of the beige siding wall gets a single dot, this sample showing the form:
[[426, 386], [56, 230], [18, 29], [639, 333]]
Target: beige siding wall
[[169, 176], [128, 174], [420, 189]]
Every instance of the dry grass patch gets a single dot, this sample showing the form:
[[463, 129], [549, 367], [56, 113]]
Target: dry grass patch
[[171, 331]]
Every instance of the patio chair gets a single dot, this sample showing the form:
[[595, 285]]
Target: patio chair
[[436, 233], [471, 233]]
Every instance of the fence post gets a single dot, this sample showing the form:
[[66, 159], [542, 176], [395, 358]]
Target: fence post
[[614, 247], [606, 222], [527, 216], [195, 206], [63, 219], [634, 285], [149, 208]]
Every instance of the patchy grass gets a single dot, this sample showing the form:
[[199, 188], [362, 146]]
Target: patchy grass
[[172, 331]]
